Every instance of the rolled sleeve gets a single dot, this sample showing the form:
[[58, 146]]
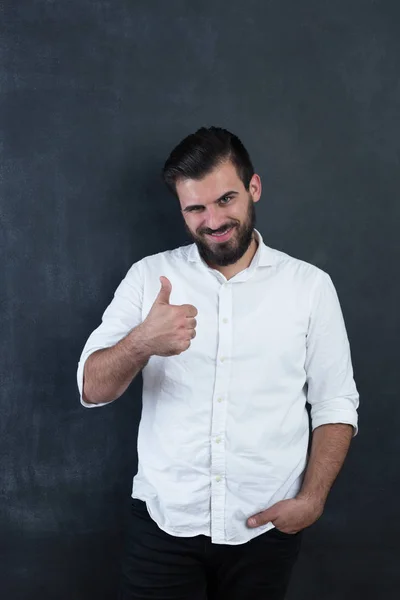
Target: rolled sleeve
[[332, 391], [123, 314]]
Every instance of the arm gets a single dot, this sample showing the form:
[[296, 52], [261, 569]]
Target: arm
[[113, 353], [332, 393], [329, 447], [105, 374], [109, 371], [333, 397]]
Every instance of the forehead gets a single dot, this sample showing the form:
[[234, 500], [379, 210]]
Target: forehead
[[222, 179]]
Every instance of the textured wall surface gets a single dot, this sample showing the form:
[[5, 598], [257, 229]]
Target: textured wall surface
[[94, 95]]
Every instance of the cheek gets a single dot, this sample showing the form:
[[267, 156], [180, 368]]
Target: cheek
[[194, 222], [191, 224], [236, 217]]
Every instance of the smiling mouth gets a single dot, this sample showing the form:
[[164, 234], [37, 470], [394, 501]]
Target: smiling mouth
[[225, 234]]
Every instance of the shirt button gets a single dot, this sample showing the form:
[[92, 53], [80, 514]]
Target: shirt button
[[224, 320], [219, 399], [218, 439], [222, 358], [218, 478]]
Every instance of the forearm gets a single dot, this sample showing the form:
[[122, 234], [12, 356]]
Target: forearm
[[329, 447], [108, 372]]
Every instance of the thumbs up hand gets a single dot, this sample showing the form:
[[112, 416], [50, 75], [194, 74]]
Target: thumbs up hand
[[169, 329]]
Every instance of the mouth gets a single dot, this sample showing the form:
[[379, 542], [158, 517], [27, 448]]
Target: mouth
[[222, 237]]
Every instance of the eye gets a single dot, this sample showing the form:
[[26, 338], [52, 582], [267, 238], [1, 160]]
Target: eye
[[227, 198]]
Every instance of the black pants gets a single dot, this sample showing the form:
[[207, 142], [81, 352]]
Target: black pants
[[160, 566]]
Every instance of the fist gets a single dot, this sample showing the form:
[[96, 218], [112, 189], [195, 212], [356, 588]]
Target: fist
[[168, 328]]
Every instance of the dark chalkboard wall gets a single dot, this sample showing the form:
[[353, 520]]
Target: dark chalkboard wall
[[94, 94]]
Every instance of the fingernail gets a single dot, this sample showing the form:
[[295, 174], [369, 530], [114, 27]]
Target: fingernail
[[252, 522]]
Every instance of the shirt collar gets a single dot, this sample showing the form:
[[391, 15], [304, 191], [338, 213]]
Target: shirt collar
[[264, 256]]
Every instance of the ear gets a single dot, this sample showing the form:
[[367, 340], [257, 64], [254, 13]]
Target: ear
[[255, 187]]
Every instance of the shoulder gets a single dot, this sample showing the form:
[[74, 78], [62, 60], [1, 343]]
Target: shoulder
[[304, 279], [177, 257], [295, 267]]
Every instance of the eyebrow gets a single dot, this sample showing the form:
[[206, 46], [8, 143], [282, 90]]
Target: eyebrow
[[193, 206]]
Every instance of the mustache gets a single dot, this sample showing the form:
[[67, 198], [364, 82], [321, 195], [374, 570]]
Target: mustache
[[220, 230]]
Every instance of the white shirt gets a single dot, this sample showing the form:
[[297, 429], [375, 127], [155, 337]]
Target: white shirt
[[224, 428]]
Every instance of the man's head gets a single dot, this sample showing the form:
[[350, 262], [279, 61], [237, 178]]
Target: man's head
[[213, 178]]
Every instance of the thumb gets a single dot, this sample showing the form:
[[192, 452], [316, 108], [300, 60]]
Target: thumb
[[165, 291], [270, 514]]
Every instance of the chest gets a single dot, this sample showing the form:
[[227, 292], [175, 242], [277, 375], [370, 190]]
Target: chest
[[263, 317]]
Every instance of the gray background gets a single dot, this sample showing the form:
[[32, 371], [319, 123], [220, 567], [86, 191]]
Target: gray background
[[94, 95]]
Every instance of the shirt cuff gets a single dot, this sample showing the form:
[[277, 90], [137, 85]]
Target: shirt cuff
[[340, 413], [79, 377]]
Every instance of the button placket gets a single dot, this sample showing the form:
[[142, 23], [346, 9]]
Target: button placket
[[223, 369]]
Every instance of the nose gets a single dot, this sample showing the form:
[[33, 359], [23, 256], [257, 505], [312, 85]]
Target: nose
[[214, 221]]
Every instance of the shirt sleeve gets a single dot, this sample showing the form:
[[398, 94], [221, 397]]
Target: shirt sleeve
[[332, 392], [123, 314]]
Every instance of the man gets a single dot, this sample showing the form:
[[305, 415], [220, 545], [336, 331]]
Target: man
[[233, 338]]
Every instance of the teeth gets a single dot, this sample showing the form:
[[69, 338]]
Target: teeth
[[225, 231]]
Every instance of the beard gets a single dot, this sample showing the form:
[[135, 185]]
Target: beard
[[227, 253]]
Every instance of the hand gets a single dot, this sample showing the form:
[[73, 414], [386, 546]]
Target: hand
[[290, 516], [168, 329]]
